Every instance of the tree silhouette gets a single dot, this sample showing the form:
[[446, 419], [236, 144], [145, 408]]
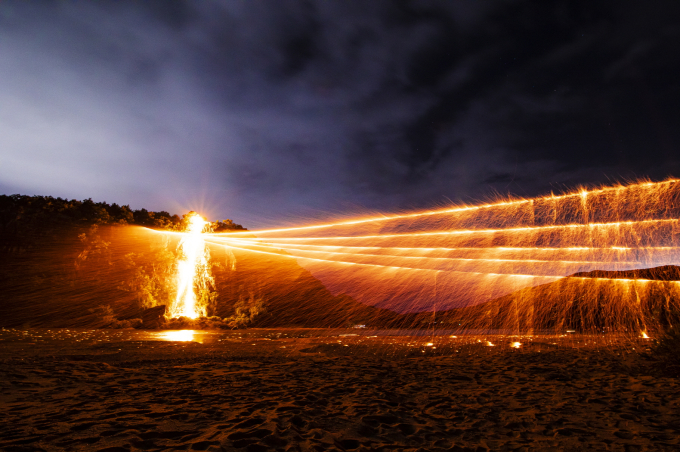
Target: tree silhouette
[[25, 220]]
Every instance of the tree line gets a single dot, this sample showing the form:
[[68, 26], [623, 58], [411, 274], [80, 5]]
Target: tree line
[[26, 218]]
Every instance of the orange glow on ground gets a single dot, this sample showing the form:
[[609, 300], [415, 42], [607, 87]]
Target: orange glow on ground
[[178, 335]]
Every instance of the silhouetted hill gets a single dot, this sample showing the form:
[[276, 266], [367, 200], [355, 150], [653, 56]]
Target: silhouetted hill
[[27, 221], [292, 296], [626, 300], [663, 273]]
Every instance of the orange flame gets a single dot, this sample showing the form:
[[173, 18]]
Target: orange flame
[[191, 267]]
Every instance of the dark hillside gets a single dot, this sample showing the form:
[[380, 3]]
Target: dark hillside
[[596, 301]]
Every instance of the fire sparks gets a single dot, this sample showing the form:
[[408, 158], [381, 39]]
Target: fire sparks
[[466, 256], [660, 188], [558, 263], [192, 271]]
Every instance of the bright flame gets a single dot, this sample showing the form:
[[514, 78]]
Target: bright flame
[[191, 268], [644, 335], [516, 345], [196, 224]]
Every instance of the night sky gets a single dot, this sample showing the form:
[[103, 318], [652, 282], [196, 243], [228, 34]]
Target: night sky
[[279, 112]]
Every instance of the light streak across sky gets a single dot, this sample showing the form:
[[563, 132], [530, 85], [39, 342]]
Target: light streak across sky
[[657, 190]]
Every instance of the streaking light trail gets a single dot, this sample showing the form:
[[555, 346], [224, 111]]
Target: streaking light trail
[[191, 268], [576, 261], [466, 256], [583, 194]]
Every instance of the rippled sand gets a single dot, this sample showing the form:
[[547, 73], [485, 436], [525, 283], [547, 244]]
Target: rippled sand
[[328, 390]]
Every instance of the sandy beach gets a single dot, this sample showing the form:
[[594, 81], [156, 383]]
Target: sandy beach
[[317, 390]]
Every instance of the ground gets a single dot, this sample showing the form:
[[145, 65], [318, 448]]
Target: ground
[[292, 390]]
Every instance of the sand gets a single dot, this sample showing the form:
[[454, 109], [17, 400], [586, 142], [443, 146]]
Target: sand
[[321, 390]]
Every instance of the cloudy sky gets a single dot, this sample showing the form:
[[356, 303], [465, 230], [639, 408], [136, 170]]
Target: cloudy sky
[[273, 112]]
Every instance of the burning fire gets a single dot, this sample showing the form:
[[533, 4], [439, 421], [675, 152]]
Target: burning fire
[[192, 270]]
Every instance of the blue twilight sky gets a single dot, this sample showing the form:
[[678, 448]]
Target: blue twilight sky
[[276, 112]]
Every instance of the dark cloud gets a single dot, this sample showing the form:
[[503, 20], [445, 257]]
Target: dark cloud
[[268, 111]]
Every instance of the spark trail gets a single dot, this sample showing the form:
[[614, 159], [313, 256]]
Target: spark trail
[[463, 257], [192, 272]]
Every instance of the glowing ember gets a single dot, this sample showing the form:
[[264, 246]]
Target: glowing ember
[[516, 344], [490, 344], [191, 269], [644, 335]]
